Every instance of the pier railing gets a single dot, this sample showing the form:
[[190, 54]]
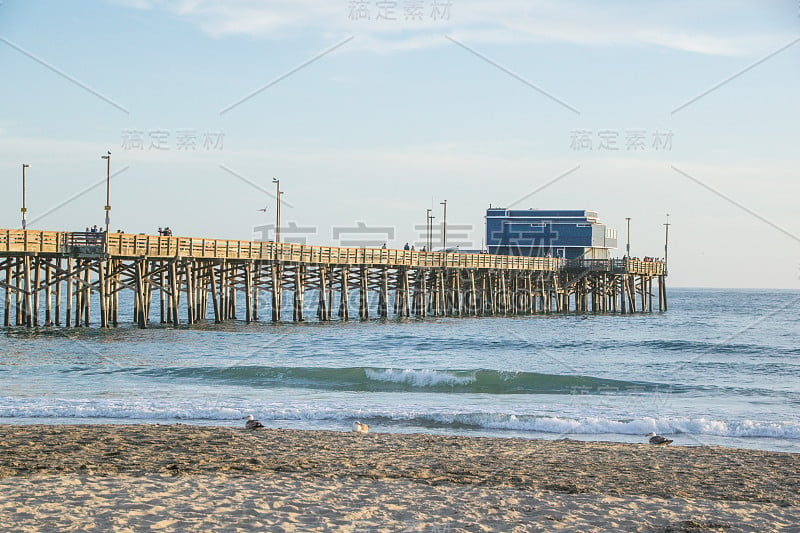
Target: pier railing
[[627, 265], [124, 245], [31, 241]]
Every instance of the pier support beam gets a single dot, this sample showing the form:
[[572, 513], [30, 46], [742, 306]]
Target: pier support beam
[[214, 295], [344, 294], [363, 308], [298, 298], [323, 305], [383, 294], [276, 292], [7, 299]]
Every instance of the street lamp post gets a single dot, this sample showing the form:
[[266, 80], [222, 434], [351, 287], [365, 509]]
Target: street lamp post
[[428, 230], [107, 157], [277, 183], [444, 227], [628, 247], [430, 244], [24, 209]]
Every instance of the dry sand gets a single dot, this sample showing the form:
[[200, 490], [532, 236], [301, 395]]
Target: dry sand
[[179, 477]]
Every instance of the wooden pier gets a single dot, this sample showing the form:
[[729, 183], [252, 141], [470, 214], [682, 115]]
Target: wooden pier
[[54, 278]]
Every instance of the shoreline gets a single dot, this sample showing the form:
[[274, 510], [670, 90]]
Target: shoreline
[[381, 481], [758, 443]]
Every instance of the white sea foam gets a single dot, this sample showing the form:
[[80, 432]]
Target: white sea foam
[[148, 410], [598, 425], [419, 378]]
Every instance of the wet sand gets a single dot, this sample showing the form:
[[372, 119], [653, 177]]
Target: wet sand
[[180, 477]]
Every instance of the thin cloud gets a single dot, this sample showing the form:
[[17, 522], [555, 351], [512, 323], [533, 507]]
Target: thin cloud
[[504, 22]]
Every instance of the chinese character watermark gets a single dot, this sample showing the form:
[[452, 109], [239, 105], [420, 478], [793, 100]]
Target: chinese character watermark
[[362, 236], [609, 140], [538, 239], [164, 140], [399, 10], [291, 233], [633, 396]]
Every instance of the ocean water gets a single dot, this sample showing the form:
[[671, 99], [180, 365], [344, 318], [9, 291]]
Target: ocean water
[[721, 367]]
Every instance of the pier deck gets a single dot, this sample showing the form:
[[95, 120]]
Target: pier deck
[[49, 269]]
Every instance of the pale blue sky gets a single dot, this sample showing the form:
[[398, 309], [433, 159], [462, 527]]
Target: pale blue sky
[[406, 114]]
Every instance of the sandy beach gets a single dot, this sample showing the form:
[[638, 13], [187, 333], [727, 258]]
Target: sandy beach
[[181, 477]]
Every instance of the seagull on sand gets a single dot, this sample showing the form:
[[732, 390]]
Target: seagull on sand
[[358, 427], [658, 440], [252, 423]]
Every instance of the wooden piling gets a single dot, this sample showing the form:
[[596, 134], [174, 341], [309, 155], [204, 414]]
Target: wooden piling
[[36, 289], [101, 285], [322, 295], [298, 297], [344, 293], [276, 293], [363, 309], [173, 292], [7, 299]]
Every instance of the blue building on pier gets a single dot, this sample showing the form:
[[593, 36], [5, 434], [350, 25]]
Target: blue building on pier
[[570, 234]]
